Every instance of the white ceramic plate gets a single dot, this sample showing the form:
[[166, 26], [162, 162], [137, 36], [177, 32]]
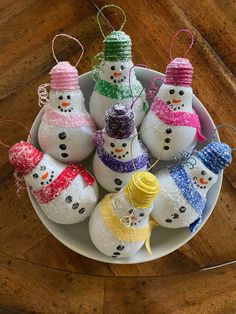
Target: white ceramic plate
[[163, 240]]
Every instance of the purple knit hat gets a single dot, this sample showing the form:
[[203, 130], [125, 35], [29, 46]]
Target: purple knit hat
[[179, 72], [119, 121]]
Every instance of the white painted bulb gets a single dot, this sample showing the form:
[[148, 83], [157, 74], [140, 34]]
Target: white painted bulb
[[177, 139], [112, 80], [182, 197], [173, 115], [66, 194], [114, 163], [66, 130], [119, 226]]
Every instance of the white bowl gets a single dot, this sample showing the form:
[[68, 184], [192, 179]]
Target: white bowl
[[163, 240]]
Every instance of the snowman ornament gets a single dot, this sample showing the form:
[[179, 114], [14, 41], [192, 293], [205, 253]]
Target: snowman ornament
[[66, 193], [119, 225], [112, 79], [172, 113], [182, 196], [113, 163], [66, 130]]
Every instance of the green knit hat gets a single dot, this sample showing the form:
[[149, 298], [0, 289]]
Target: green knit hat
[[117, 47]]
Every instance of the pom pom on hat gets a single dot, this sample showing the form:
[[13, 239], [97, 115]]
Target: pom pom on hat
[[24, 157], [117, 47], [179, 72], [216, 156], [64, 76], [119, 121]]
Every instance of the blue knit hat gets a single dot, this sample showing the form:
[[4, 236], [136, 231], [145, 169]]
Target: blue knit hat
[[216, 156]]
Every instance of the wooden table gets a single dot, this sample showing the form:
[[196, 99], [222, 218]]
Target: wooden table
[[37, 273]]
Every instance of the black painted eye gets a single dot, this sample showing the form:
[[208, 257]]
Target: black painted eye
[[172, 91], [203, 173], [113, 68], [141, 214], [60, 97], [112, 145], [35, 176], [194, 178], [182, 209], [122, 67], [124, 144], [130, 211], [68, 97], [181, 92], [210, 178], [42, 168]]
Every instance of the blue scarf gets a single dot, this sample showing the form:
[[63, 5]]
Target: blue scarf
[[194, 198], [123, 166]]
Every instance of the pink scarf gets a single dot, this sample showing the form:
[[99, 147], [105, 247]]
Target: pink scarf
[[56, 187], [68, 121], [168, 116]]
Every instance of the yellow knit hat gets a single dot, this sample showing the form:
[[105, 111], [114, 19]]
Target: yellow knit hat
[[142, 189]]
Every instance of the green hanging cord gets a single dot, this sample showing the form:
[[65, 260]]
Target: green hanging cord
[[108, 6]]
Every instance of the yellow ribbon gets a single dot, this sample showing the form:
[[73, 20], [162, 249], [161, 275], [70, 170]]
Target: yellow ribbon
[[121, 231]]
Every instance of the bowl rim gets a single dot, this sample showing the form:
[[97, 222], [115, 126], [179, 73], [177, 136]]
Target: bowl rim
[[106, 259]]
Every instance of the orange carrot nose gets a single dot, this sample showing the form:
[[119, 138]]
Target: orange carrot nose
[[45, 175], [203, 181], [117, 150], [117, 74], [65, 104], [176, 101], [133, 218]]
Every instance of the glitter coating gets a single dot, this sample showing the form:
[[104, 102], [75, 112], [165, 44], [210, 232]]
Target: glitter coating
[[188, 190], [179, 72], [119, 121], [118, 92], [74, 120], [52, 190], [24, 157], [117, 46], [123, 166], [216, 156], [64, 76], [178, 118]]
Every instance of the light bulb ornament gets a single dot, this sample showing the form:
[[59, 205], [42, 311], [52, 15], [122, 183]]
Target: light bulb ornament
[[65, 118], [183, 196]]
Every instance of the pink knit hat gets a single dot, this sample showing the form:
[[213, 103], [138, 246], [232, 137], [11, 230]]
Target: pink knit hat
[[64, 76], [179, 72]]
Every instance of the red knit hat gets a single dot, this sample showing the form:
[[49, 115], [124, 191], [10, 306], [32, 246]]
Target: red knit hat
[[24, 157]]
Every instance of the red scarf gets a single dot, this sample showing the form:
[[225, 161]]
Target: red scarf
[[55, 188], [179, 118]]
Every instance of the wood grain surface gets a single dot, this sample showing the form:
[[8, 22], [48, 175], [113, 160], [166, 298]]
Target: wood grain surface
[[40, 275]]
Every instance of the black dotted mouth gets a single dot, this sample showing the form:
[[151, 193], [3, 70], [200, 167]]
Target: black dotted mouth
[[118, 81], [199, 185], [65, 110], [50, 180], [121, 156]]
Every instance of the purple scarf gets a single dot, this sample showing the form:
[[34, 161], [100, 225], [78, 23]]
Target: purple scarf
[[123, 166]]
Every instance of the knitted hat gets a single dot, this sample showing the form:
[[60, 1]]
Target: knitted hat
[[117, 47], [24, 157], [179, 72], [142, 189], [64, 76], [216, 156], [119, 121]]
